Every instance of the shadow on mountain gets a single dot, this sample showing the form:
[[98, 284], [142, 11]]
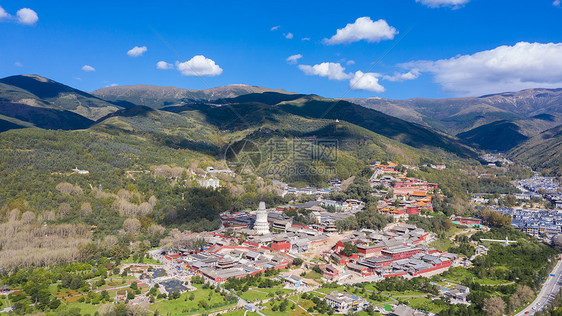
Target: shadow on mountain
[[500, 135], [45, 118]]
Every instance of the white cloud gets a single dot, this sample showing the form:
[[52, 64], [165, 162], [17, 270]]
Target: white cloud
[[455, 4], [410, 75], [505, 68], [18, 64], [113, 85], [556, 3], [27, 16], [334, 71], [199, 66], [3, 14], [350, 62], [289, 35], [306, 38], [137, 51], [293, 59], [366, 81], [363, 29], [88, 68], [275, 28], [164, 65]]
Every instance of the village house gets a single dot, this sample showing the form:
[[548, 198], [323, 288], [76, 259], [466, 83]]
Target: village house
[[343, 302]]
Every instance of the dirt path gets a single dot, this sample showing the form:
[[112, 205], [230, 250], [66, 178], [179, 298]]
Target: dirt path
[[346, 183]]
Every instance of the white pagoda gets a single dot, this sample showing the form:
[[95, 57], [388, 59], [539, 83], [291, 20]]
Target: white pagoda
[[261, 226]]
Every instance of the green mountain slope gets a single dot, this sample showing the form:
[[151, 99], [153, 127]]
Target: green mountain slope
[[39, 92], [542, 152], [211, 129], [163, 128], [408, 133]]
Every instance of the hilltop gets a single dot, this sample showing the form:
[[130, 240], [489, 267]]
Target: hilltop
[[159, 97], [33, 92], [531, 110]]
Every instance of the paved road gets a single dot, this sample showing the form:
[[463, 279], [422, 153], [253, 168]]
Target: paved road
[[549, 289]]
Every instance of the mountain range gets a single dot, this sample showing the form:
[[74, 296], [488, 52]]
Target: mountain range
[[511, 117], [523, 123], [158, 97]]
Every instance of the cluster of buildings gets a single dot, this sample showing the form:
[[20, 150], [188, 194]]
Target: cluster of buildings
[[219, 263], [409, 195], [310, 191], [321, 216], [210, 180], [494, 159], [534, 222], [400, 251], [548, 185], [542, 186]]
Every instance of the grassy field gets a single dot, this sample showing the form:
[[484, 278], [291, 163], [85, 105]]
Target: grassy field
[[313, 275], [185, 305], [85, 308], [257, 294], [423, 303], [327, 290], [442, 244]]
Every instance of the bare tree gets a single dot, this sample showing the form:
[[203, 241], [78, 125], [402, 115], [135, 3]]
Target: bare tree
[[522, 294], [14, 215], [109, 242], [494, 306], [132, 226], [68, 188], [152, 200], [27, 217], [85, 209], [155, 229], [124, 195], [144, 209], [34, 245], [50, 215], [65, 209]]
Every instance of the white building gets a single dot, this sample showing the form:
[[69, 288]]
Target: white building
[[210, 183], [78, 171], [261, 226], [343, 302]]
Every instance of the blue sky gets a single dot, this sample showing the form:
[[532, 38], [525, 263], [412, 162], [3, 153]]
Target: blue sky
[[399, 48]]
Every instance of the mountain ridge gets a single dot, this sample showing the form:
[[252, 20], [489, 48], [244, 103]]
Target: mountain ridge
[[161, 96], [40, 92]]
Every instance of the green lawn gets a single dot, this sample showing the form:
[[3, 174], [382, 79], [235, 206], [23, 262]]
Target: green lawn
[[397, 294], [313, 275], [182, 305], [422, 303], [327, 290], [442, 244], [257, 294], [459, 274], [85, 308]]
